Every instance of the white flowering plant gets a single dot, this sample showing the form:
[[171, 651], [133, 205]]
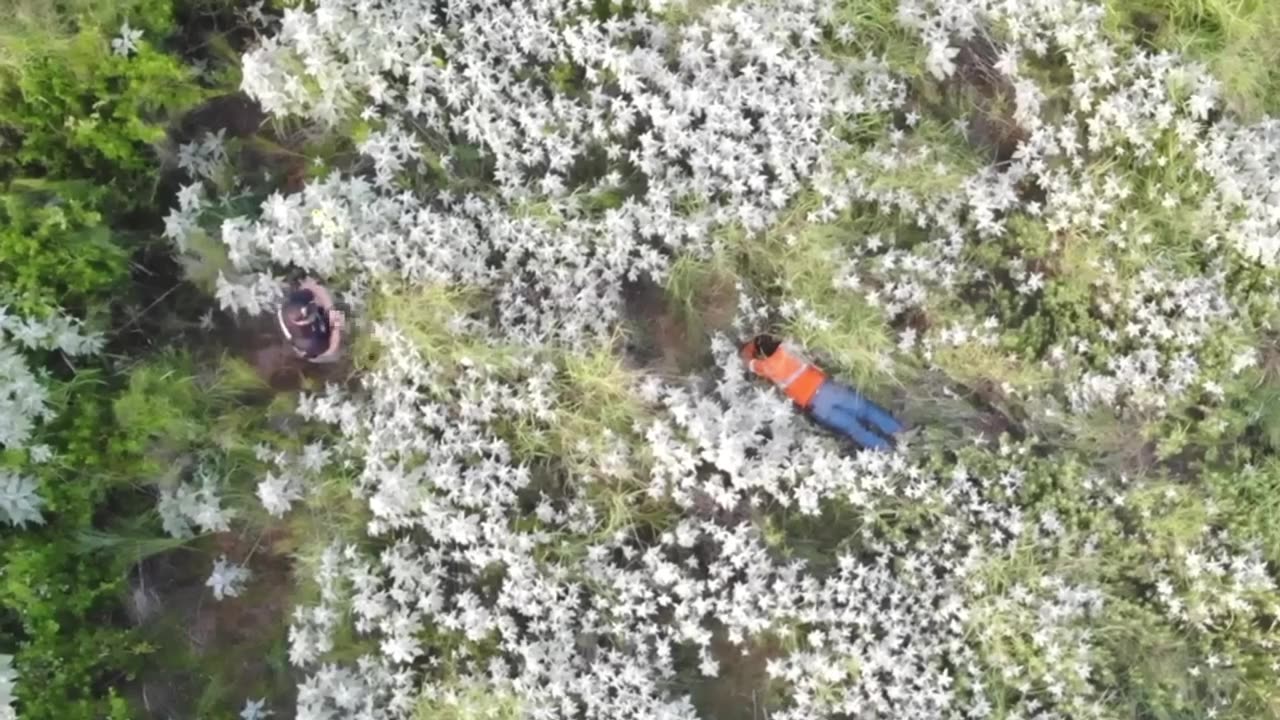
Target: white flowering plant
[[8, 678], [593, 537], [1052, 250]]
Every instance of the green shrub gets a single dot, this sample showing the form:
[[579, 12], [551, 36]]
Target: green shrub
[[56, 603], [58, 252], [91, 113], [79, 127], [61, 583], [1235, 38]]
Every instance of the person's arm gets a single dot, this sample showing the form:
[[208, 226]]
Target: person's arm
[[336, 320]]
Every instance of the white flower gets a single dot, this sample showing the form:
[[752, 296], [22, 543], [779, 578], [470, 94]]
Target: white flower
[[737, 104], [1243, 360], [126, 43], [227, 579], [255, 710], [941, 59], [23, 397], [278, 493], [172, 516], [19, 503], [8, 679], [202, 159], [40, 453]]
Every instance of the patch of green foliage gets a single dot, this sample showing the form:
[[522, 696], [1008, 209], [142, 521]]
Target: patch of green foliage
[[1235, 38], [58, 251], [877, 34], [61, 591], [34, 28], [56, 604], [470, 702], [90, 113], [80, 132]]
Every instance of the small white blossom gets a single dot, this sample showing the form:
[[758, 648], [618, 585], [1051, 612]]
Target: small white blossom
[[126, 43], [255, 710], [941, 59], [278, 493], [8, 681], [19, 503], [227, 579]]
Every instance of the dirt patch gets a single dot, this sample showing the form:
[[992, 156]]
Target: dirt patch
[[211, 653], [237, 114], [674, 338], [741, 690], [987, 98]]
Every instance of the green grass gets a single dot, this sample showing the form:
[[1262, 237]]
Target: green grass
[[32, 28], [471, 702], [703, 295], [1235, 38], [877, 34], [795, 261], [423, 314]]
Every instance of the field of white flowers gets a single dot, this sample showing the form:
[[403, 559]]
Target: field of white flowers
[[549, 488]]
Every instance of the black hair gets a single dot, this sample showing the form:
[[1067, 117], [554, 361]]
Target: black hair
[[300, 314], [766, 345], [300, 306]]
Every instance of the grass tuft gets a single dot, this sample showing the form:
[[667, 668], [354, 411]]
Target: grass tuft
[[1235, 38]]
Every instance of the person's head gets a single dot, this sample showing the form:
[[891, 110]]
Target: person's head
[[766, 345], [299, 314], [297, 319]]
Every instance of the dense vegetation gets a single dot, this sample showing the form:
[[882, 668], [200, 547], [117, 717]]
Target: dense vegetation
[[541, 483], [86, 135]]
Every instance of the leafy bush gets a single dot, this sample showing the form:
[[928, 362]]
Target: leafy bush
[[59, 252], [57, 606], [88, 112], [112, 449], [80, 123]]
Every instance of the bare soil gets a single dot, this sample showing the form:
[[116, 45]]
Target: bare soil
[[741, 689], [669, 340], [988, 97], [214, 651]]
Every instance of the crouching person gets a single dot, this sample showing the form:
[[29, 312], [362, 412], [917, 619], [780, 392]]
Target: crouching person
[[311, 324]]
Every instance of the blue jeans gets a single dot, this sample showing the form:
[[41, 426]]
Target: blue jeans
[[846, 411]]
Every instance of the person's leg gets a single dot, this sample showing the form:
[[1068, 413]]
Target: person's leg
[[864, 409], [878, 417], [833, 408], [863, 435]]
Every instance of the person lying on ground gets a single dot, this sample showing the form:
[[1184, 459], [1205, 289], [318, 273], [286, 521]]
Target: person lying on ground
[[310, 323], [832, 404]]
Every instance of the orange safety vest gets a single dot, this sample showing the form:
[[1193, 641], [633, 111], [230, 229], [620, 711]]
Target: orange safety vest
[[796, 377]]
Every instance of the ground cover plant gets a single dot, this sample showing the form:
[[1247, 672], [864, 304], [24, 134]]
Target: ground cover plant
[[543, 485]]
